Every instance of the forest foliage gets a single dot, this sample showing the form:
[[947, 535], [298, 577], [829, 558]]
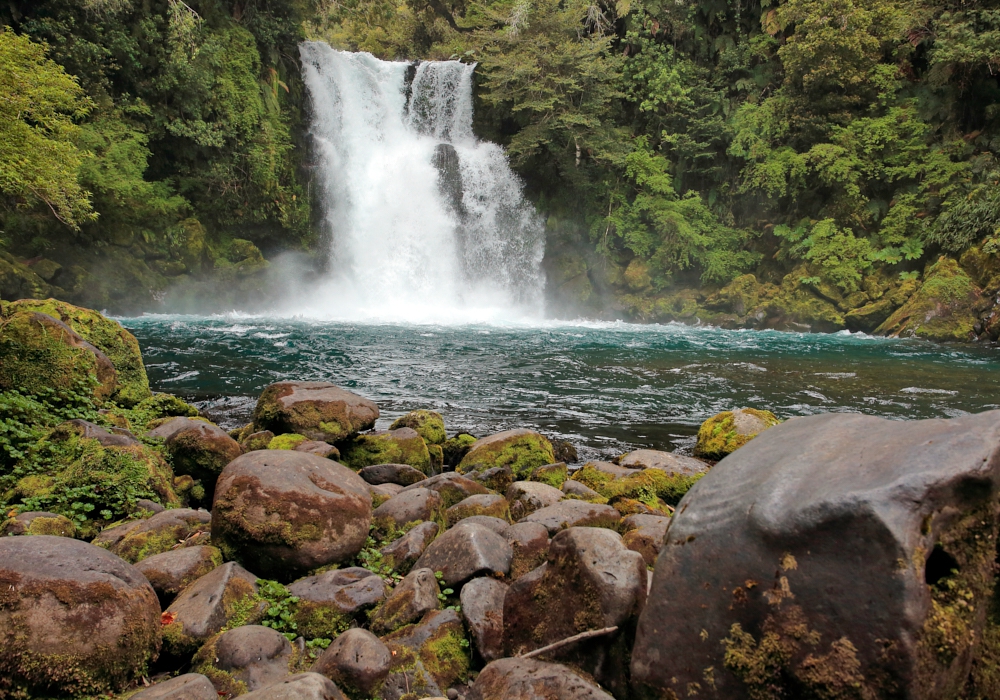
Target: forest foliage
[[687, 141]]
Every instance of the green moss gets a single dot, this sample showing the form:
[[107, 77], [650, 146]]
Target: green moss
[[718, 436], [446, 656], [386, 448], [523, 453], [456, 448], [109, 337], [592, 478], [551, 474], [157, 407], [288, 441], [319, 620], [428, 424], [204, 663], [941, 309], [58, 527], [650, 486], [499, 509]]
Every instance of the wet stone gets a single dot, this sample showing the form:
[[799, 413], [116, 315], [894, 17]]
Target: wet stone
[[405, 551], [465, 551], [356, 660], [482, 609], [402, 474], [415, 595]]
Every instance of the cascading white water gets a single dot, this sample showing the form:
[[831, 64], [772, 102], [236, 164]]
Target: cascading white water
[[425, 221]]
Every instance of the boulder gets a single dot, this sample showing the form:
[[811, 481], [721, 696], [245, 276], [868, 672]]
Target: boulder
[[454, 449], [589, 582], [75, 619], [667, 461], [224, 597], [402, 474], [496, 479], [644, 534], [482, 610], [521, 450], [111, 536], [40, 353], [287, 441], [172, 571], [485, 504], [383, 492], [409, 678], [116, 437], [942, 309], [259, 440], [288, 512], [529, 543], [198, 448], [400, 446], [429, 424], [497, 525], [573, 513], [554, 475], [525, 497], [416, 595], [404, 552], [528, 679], [38, 522], [725, 432], [301, 686], [330, 601], [465, 551], [832, 551], [179, 527], [108, 336], [565, 451], [357, 661], [190, 686], [436, 641], [577, 489], [147, 508], [409, 505], [318, 448], [244, 659], [452, 487], [318, 410]]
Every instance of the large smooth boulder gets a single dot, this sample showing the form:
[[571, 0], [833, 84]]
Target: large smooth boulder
[[482, 610], [39, 353], [590, 581], [243, 659], [198, 448], [836, 555], [416, 595], [429, 424], [318, 410], [522, 451], [330, 601], [669, 462], [529, 679], [179, 527], [286, 512], [224, 597], [573, 513], [400, 446], [465, 551], [74, 619], [170, 572], [726, 432], [190, 686], [406, 507], [108, 336], [301, 686], [357, 661]]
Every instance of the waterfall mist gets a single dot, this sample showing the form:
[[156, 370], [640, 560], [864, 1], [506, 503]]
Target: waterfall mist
[[425, 222]]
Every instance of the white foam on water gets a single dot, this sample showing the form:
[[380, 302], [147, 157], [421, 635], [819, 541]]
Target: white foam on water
[[425, 222]]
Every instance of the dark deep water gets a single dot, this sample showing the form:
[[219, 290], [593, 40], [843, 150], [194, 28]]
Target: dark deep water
[[606, 387]]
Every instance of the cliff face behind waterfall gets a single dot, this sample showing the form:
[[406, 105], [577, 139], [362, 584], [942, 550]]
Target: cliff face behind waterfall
[[805, 164]]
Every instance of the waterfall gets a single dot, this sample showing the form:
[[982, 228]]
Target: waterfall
[[425, 222]]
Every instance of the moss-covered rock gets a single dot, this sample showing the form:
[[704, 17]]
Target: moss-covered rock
[[521, 450], [76, 620], [726, 432], [178, 527], [456, 448], [429, 425], [551, 474], [318, 410], [39, 353], [942, 309], [106, 335], [288, 441], [18, 281], [487, 504], [38, 523], [197, 448], [399, 446], [438, 641]]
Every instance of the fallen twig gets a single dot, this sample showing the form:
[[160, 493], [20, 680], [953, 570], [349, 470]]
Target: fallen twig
[[569, 640]]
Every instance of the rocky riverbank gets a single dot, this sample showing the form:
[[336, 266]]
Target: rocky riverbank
[[149, 553]]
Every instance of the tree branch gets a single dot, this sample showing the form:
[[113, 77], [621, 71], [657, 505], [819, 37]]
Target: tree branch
[[569, 640]]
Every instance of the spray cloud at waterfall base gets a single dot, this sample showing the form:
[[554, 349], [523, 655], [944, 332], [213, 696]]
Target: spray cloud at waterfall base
[[425, 223]]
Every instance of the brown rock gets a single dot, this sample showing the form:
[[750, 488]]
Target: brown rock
[[451, 487], [190, 686], [318, 410], [486, 504], [482, 609], [526, 497], [402, 474], [572, 513], [198, 448], [665, 461], [356, 660], [408, 506], [465, 551], [528, 679], [318, 448], [404, 552], [415, 595], [170, 572], [249, 658], [529, 543], [435, 640], [288, 512], [331, 600], [645, 535], [301, 686], [179, 527], [37, 522]]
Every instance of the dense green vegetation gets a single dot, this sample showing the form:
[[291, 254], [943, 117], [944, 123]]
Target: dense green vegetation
[[145, 140], [669, 144]]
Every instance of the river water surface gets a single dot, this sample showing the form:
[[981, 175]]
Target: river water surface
[[606, 387]]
